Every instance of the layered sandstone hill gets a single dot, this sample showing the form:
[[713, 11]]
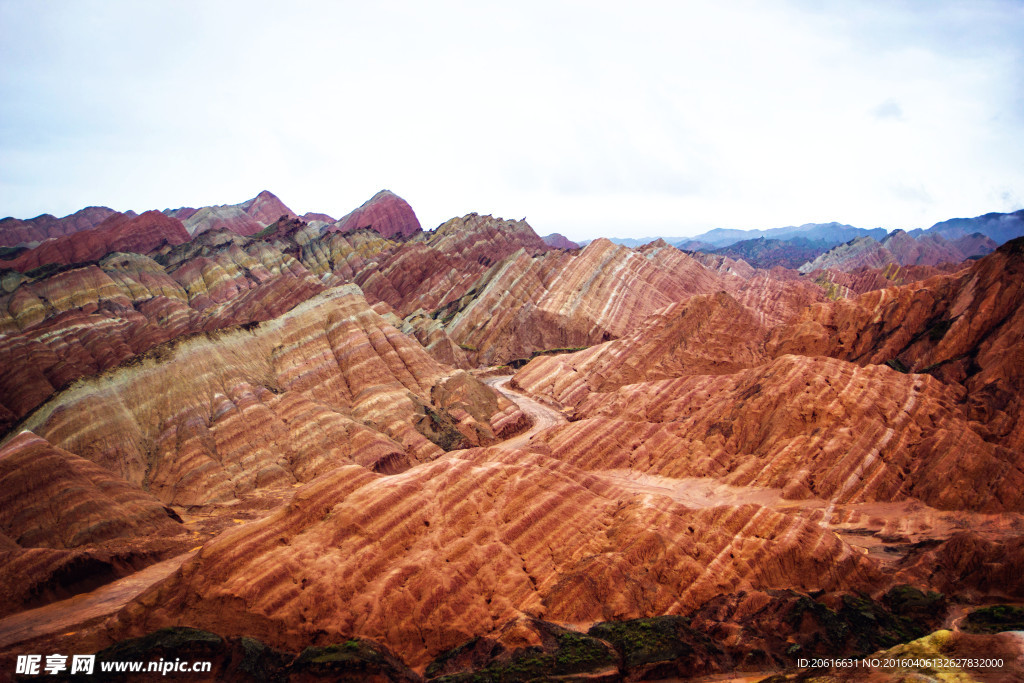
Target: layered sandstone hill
[[438, 268], [328, 383], [51, 498], [964, 328], [246, 218], [385, 213], [14, 232], [119, 232], [705, 334], [845, 429], [559, 241], [808, 426], [423, 560], [902, 249], [571, 299], [839, 284], [82, 321], [67, 524]]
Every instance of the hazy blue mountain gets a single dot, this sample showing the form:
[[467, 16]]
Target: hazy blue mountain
[[1001, 227], [831, 234]]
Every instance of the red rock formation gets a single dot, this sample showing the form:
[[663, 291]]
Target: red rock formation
[[806, 426], [50, 498], [572, 299], [706, 334], [901, 249], [385, 213], [246, 218], [436, 269], [119, 232], [87, 320], [329, 382], [840, 284], [423, 560], [265, 208], [559, 241], [14, 231], [962, 328]]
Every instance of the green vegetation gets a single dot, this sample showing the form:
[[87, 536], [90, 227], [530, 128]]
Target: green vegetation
[[468, 347], [995, 619], [166, 641], [49, 269], [265, 232], [833, 291], [575, 653], [9, 253], [658, 639]]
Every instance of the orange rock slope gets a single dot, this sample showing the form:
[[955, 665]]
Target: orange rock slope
[[424, 560], [303, 392]]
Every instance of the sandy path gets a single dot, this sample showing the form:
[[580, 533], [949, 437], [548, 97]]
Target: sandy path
[[543, 416], [78, 609]]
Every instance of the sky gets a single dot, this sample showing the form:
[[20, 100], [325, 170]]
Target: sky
[[586, 118]]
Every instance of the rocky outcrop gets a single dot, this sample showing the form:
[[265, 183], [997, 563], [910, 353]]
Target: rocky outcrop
[[385, 213], [572, 299], [706, 334], [839, 284], [14, 231], [87, 320], [434, 270]]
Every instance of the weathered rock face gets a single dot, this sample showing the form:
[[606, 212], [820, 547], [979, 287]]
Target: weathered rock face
[[50, 498], [736, 441], [805, 426], [706, 334], [86, 320], [423, 560], [962, 328], [385, 213], [330, 382], [565, 300], [119, 232], [434, 270], [14, 231], [68, 525], [839, 284]]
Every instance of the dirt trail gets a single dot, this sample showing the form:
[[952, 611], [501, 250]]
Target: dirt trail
[[79, 609], [543, 416]]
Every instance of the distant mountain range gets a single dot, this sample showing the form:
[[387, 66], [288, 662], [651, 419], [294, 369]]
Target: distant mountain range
[[840, 246]]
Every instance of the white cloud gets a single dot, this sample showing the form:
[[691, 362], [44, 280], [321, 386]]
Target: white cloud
[[586, 117]]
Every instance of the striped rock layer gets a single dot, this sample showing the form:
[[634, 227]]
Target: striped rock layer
[[330, 382], [423, 560], [964, 329], [902, 249], [14, 231]]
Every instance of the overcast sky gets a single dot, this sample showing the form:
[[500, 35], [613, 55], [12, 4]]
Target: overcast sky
[[587, 118]]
